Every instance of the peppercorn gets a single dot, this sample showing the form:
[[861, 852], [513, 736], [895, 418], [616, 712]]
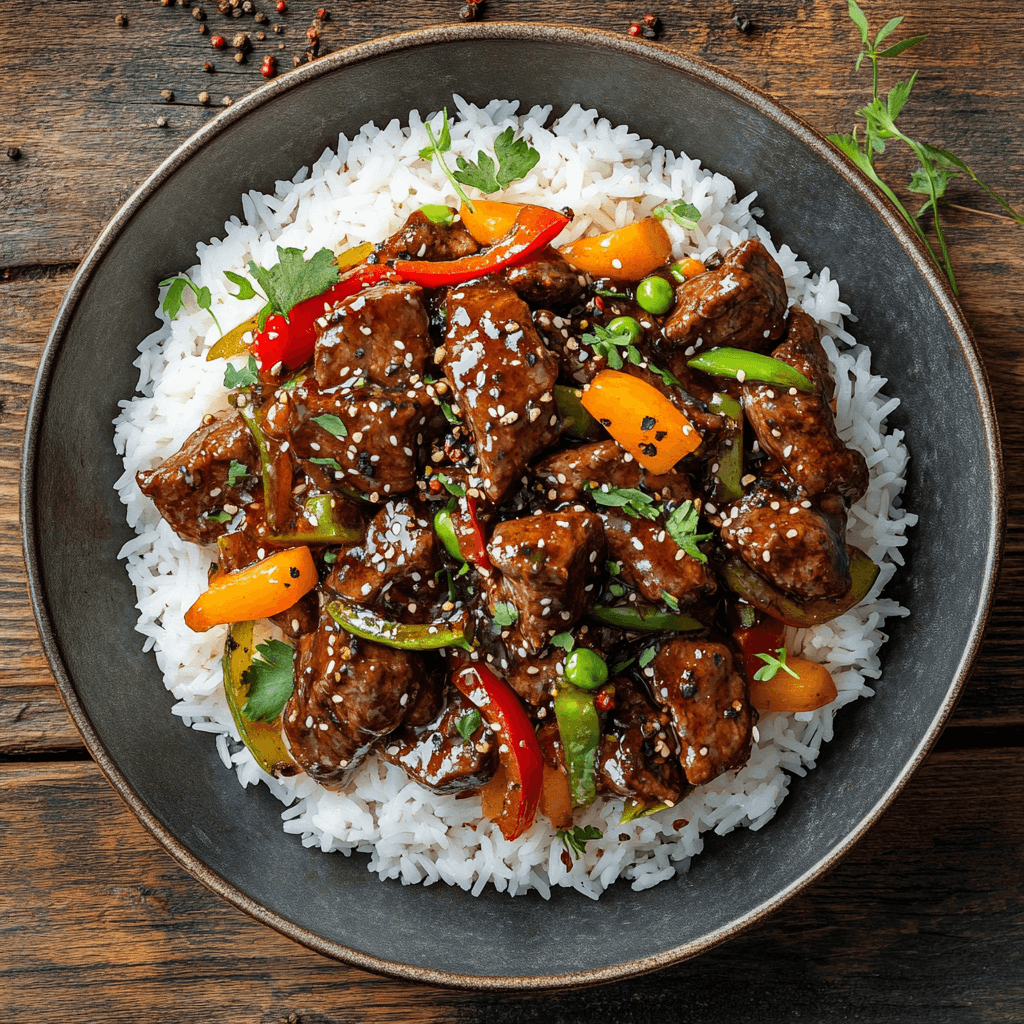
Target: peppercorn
[[209, 68], [184, 3], [296, 60], [204, 98], [165, 3], [652, 21], [13, 153], [247, 6], [240, 57], [323, 14], [313, 35], [121, 21], [167, 95], [468, 12], [743, 23], [280, 6], [218, 42], [202, 30], [260, 18], [241, 42], [224, 7], [161, 122], [199, 14], [635, 29], [226, 102], [279, 29], [269, 68]]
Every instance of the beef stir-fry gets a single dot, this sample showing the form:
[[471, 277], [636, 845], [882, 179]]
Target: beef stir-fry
[[524, 526]]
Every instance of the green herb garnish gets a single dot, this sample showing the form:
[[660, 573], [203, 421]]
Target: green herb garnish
[[632, 501], [332, 424], [516, 158], [468, 724], [293, 280], [329, 463], [237, 471], [937, 167], [670, 600], [173, 302], [245, 288], [681, 526], [564, 640], [244, 378], [608, 343], [270, 682], [451, 486], [576, 839], [436, 150], [505, 613], [685, 214], [219, 517], [773, 664], [647, 657]]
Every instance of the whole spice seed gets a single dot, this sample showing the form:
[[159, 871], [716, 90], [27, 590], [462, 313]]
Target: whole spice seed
[[209, 68], [13, 153], [242, 42], [269, 68], [204, 98], [224, 7], [199, 14], [240, 57], [218, 42], [261, 18], [161, 122], [167, 95], [279, 29], [202, 30], [121, 21], [743, 23], [468, 12], [635, 29], [247, 7], [280, 6], [323, 14]]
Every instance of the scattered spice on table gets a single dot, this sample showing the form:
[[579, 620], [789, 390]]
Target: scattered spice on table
[[121, 21], [13, 153], [167, 95], [743, 23]]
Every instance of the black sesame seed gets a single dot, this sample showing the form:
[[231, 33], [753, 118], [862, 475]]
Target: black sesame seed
[[689, 690], [649, 450], [648, 423]]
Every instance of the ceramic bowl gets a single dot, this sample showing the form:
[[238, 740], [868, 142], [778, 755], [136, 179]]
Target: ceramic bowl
[[230, 838]]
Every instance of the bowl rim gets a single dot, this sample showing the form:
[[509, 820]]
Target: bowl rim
[[388, 45]]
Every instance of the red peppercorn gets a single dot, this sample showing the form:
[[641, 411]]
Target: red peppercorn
[[281, 6], [313, 34], [604, 700], [218, 42], [635, 29], [269, 68], [322, 13], [651, 21]]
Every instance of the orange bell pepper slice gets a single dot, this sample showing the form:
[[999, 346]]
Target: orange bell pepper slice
[[255, 592], [641, 419], [812, 688], [625, 254], [489, 220]]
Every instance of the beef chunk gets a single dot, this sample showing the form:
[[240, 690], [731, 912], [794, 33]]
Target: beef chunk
[[548, 566], [548, 280], [792, 544], [798, 430], [348, 693], [638, 757], [502, 376], [534, 677], [421, 239], [400, 549], [436, 754], [192, 485], [706, 695], [653, 562], [565, 474], [381, 334], [742, 304], [387, 431]]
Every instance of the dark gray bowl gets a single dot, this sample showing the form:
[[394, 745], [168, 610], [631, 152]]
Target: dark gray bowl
[[231, 838]]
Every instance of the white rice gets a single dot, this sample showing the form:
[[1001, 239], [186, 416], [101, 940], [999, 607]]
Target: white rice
[[364, 191]]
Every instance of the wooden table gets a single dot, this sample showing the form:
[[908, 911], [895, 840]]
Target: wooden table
[[922, 922]]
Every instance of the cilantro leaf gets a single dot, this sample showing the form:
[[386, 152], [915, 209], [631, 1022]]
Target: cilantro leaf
[[436, 150], [328, 463], [332, 424], [468, 724], [671, 601], [685, 214], [293, 279], [647, 657], [236, 471], [270, 682], [681, 526], [575, 839], [515, 159], [243, 378], [219, 517], [606, 342], [632, 501], [174, 303], [772, 665], [564, 640], [245, 288], [505, 613]]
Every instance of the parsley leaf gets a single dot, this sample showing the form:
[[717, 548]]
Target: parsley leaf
[[632, 501], [219, 517], [293, 279], [468, 724], [245, 288], [173, 302], [685, 214], [332, 424], [270, 682], [647, 657], [516, 158], [577, 838], [436, 150], [772, 665], [681, 526], [236, 471], [607, 343], [505, 613], [564, 640], [329, 463], [671, 601], [244, 378]]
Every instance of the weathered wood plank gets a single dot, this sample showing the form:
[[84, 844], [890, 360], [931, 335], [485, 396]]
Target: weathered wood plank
[[100, 925]]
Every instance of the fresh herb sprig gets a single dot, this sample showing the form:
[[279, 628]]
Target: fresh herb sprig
[[608, 343], [631, 500], [513, 159], [772, 664], [576, 839], [937, 167], [681, 526], [468, 724], [173, 301], [270, 681], [505, 614], [293, 279], [685, 214]]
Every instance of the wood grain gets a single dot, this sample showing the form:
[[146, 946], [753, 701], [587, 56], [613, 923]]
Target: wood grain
[[921, 923], [91, 875]]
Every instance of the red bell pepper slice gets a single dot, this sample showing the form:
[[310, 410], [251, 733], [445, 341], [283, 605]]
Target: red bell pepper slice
[[470, 534], [520, 752]]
